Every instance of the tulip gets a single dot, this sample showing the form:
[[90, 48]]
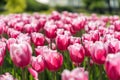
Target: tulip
[[50, 30], [75, 40], [19, 26], [38, 39], [10, 41], [53, 60], [38, 63], [2, 52], [86, 37], [113, 45], [87, 47], [98, 52], [117, 35], [7, 76], [20, 54], [33, 73], [117, 25], [28, 28], [40, 50], [76, 74], [62, 42], [13, 33], [2, 25], [95, 35], [24, 38], [112, 66], [77, 53]]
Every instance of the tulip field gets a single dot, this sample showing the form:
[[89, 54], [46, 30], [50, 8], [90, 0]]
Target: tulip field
[[59, 46]]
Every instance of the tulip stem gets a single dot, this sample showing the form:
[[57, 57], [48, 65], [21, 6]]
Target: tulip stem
[[14, 71], [50, 43], [23, 74], [100, 67], [54, 75], [0, 69]]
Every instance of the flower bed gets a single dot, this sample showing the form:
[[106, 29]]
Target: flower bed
[[59, 46]]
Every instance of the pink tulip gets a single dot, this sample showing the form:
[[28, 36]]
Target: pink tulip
[[86, 37], [19, 26], [55, 15], [10, 41], [113, 45], [7, 76], [2, 25], [95, 35], [50, 30], [87, 47], [28, 28], [62, 42], [112, 66], [117, 35], [2, 52], [78, 23], [24, 37], [75, 40], [117, 25], [98, 52], [38, 63], [76, 74], [77, 53], [53, 60], [13, 33], [21, 53], [40, 50], [38, 39], [33, 73]]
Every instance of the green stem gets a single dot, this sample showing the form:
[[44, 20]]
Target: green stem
[[50, 43], [14, 71], [54, 75], [23, 74], [0, 69], [100, 67]]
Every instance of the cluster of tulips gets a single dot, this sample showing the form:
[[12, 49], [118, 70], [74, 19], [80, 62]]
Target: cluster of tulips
[[48, 47]]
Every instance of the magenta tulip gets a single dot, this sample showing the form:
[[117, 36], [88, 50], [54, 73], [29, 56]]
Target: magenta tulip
[[77, 53], [38, 63], [75, 74], [21, 53], [2, 52], [53, 60], [112, 66], [33, 73], [98, 52], [10, 41], [38, 39], [50, 30], [62, 42]]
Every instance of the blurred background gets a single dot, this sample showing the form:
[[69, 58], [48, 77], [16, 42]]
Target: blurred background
[[46, 6]]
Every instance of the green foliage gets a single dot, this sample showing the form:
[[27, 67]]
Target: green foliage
[[16, 5], [95, 5], [2, 4], [33, 5], [64, 8]]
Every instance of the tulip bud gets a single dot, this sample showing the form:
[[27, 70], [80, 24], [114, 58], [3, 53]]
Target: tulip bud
[[98, 52], [50, 30], [77, 53], [76, 74], [21, 53], [38, 39], [62, 42], [38, 63], [53, 60], [112, 66]]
